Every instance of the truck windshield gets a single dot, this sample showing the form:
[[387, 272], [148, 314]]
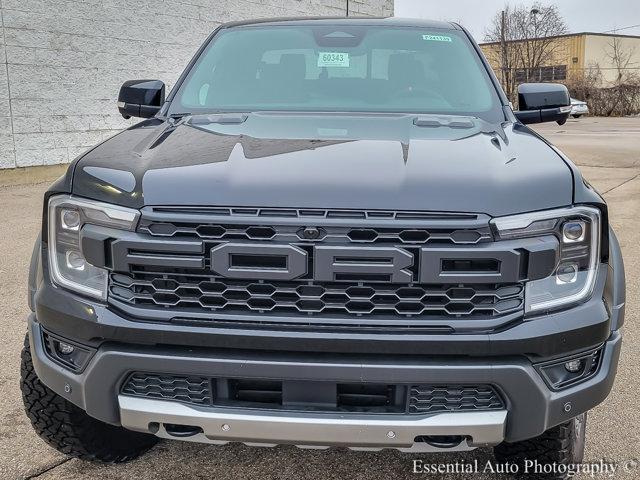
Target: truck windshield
[[339, 69]]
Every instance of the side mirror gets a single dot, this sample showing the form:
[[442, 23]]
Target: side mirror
[[140, 98], [543, 102]]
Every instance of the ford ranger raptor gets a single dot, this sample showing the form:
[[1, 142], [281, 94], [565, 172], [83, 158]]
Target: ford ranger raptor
[[331, 232]]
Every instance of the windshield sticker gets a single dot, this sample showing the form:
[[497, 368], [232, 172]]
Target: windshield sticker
[[436, 38], [333, 59]]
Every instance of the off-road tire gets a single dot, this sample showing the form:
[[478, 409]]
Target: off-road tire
[[69, 429], [561, 445]]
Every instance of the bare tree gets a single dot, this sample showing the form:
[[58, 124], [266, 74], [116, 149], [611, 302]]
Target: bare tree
[[621, 59], [624, 89], [527, 43]]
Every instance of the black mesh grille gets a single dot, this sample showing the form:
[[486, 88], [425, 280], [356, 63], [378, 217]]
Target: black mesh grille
[[192, 292], [195, 390], [445, 398], [168, 271], [293, 233]]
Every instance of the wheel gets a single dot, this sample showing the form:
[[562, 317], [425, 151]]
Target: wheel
[[69, 429], [576, 116], [561, 445]]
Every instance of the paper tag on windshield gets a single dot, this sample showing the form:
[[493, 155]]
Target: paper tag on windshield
[[436, 38], [333, 59]]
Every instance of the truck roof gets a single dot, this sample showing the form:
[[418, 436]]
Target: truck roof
[[381, 21]]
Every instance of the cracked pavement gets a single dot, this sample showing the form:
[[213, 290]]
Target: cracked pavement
[[608, 153]]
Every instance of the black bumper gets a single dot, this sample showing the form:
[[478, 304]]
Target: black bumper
[[532, 406]]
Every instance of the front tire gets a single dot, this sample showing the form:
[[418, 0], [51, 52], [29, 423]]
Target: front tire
[[576, 116], [69, 429], [561, 445]]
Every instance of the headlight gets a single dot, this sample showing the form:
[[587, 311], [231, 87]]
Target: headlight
[[578, 230], [67, 264]]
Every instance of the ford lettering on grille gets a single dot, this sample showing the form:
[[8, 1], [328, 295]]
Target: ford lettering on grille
[[287, 262], [272, 266], [381, 264]]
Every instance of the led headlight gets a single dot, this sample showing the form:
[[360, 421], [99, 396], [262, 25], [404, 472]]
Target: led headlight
[[67, 265], [578, 233]]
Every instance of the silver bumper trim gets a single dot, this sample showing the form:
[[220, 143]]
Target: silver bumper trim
[[221, 425]]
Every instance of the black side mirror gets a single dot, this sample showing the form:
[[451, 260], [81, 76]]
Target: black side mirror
[[140, 98], [543, 102]]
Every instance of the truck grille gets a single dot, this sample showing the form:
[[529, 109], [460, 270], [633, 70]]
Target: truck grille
[[416, 236], [195, 390], [347, 397], [193, 292], [263, 265], [446, 398]]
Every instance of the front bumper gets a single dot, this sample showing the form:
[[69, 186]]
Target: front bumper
[[531, 407]]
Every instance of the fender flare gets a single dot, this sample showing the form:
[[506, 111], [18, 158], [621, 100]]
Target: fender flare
[[35, 272], [614, 291]]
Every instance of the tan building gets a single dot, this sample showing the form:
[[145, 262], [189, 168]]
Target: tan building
[[572, 55]]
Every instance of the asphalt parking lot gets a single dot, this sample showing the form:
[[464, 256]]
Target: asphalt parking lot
[[608, 153]]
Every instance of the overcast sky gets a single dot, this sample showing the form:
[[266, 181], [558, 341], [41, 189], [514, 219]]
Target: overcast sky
[[580, 15]]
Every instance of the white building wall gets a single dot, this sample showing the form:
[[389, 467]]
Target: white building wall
[[62, 61]]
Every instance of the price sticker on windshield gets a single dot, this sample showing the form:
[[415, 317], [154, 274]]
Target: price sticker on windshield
[[436, 38], [333, 59]]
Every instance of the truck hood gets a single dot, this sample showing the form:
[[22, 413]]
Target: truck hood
[[443, 164]]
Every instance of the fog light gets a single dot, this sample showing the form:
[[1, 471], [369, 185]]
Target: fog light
[[75, 260], [562, 373], [71, 356], [70, 219], [573, 366], [65, 348], [566, 273], [573, 232]]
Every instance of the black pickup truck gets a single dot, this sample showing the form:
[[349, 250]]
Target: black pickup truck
[[332, 232]]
